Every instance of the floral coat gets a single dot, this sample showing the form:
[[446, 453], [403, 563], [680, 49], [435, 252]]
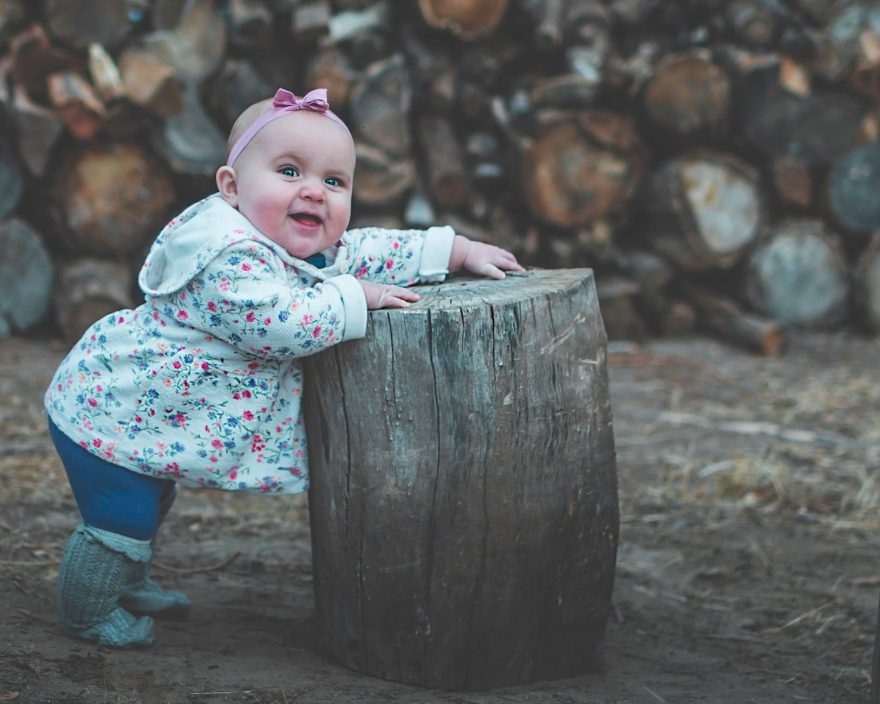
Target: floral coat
[[202, 383]]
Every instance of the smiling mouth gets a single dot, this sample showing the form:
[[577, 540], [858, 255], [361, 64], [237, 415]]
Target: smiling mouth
[[306, 218]]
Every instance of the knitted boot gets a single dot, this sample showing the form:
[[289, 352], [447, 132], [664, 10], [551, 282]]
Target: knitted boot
[[147, 597], [95, 567]]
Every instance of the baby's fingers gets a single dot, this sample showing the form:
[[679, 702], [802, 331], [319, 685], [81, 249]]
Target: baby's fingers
[[491, 271], [397, 297]]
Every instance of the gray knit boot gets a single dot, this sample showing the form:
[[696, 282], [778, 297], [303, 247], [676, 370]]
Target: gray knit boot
[[147, 597], [96, 567]]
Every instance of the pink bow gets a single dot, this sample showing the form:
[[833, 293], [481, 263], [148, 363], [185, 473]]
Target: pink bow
[[284, 103], [314, 100]]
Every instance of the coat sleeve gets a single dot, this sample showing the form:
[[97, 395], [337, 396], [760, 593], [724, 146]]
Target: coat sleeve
[[243, 296], [400, 257]]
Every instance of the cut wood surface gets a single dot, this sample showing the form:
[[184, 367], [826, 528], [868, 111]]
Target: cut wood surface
[[464, 514], [468, 19], [26, 276], [703, 210], [582, 170], [798, 275], [688, 96], [110, 199], [854, 189]]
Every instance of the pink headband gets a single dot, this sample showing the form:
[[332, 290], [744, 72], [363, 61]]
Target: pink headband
[[283, 104]]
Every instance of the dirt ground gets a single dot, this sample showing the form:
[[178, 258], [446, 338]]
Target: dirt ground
[[747, 570]]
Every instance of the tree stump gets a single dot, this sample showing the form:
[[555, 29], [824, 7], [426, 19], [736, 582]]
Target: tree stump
[[464, 493]]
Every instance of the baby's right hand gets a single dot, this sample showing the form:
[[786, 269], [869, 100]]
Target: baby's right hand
[[387, 296]]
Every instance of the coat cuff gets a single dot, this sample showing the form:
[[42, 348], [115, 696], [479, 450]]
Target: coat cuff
[[355, 303], [436, 252]]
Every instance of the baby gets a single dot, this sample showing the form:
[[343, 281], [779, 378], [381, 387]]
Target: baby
[[201, 384]]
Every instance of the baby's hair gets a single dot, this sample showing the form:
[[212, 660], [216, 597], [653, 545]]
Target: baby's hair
[[245, 120]]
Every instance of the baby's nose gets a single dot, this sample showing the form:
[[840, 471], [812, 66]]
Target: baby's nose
[[312, 189]]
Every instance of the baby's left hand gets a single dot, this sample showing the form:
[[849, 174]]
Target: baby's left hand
[[481, 258]]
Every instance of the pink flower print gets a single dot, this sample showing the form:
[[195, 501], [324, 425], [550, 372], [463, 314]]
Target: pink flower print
[[212, 306], [120, 319], [96, 442], [395, 245], [316, 331], [307, 319], [205, 366], [389, 264], [92, 402], [236, 395], [138, 419], [245, 266], [248, 415], [181, 315], [213, 458], [267, 321], [246, 393], [233, 474], [176, 364], [250, 317], [216, 444]]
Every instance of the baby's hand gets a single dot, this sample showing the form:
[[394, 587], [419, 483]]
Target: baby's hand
[[387, 296], [481, 258]]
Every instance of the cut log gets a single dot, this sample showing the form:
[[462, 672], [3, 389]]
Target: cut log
[[447, 178], [815, 128], [688, 98], [190, 141], [578, 171], [617, 299], [77, 103], [105, 74], [379, 180], [753, 22], [33, 58], [37, 130], [310, 21], [239, 85], [250, 25], [798, 275], [151, 82], [867, 284], [78, 23], [87, 290], [853, 189], [875, 663], [26, 276], [793, 181], [721, 316], [703, 210], [332, 70], [11, 179], [467, 19], [109, 199], [380, 106], [196, 47], [12, 16], [350, 25], [487, 441]]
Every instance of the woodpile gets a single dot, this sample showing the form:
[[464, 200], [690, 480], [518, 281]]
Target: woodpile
[[716, 162]]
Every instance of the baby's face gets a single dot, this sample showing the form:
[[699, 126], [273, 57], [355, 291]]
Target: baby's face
[[294, 180]]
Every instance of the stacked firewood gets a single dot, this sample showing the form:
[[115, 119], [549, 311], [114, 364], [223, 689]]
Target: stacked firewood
[[715, 161]]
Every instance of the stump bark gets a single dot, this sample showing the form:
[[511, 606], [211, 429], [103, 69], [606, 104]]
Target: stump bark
[[464, 493]]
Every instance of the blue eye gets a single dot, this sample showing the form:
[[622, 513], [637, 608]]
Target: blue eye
[[289, 171], [333, 181]]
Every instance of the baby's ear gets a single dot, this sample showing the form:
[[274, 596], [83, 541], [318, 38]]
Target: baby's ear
[[227, 185]]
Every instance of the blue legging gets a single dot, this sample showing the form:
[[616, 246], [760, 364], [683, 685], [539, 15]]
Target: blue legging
[[111, 497]]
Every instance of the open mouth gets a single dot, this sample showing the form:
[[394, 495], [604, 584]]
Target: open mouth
[[306, 218]]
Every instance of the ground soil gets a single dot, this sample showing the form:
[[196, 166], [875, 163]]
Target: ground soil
[[747, 566]]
